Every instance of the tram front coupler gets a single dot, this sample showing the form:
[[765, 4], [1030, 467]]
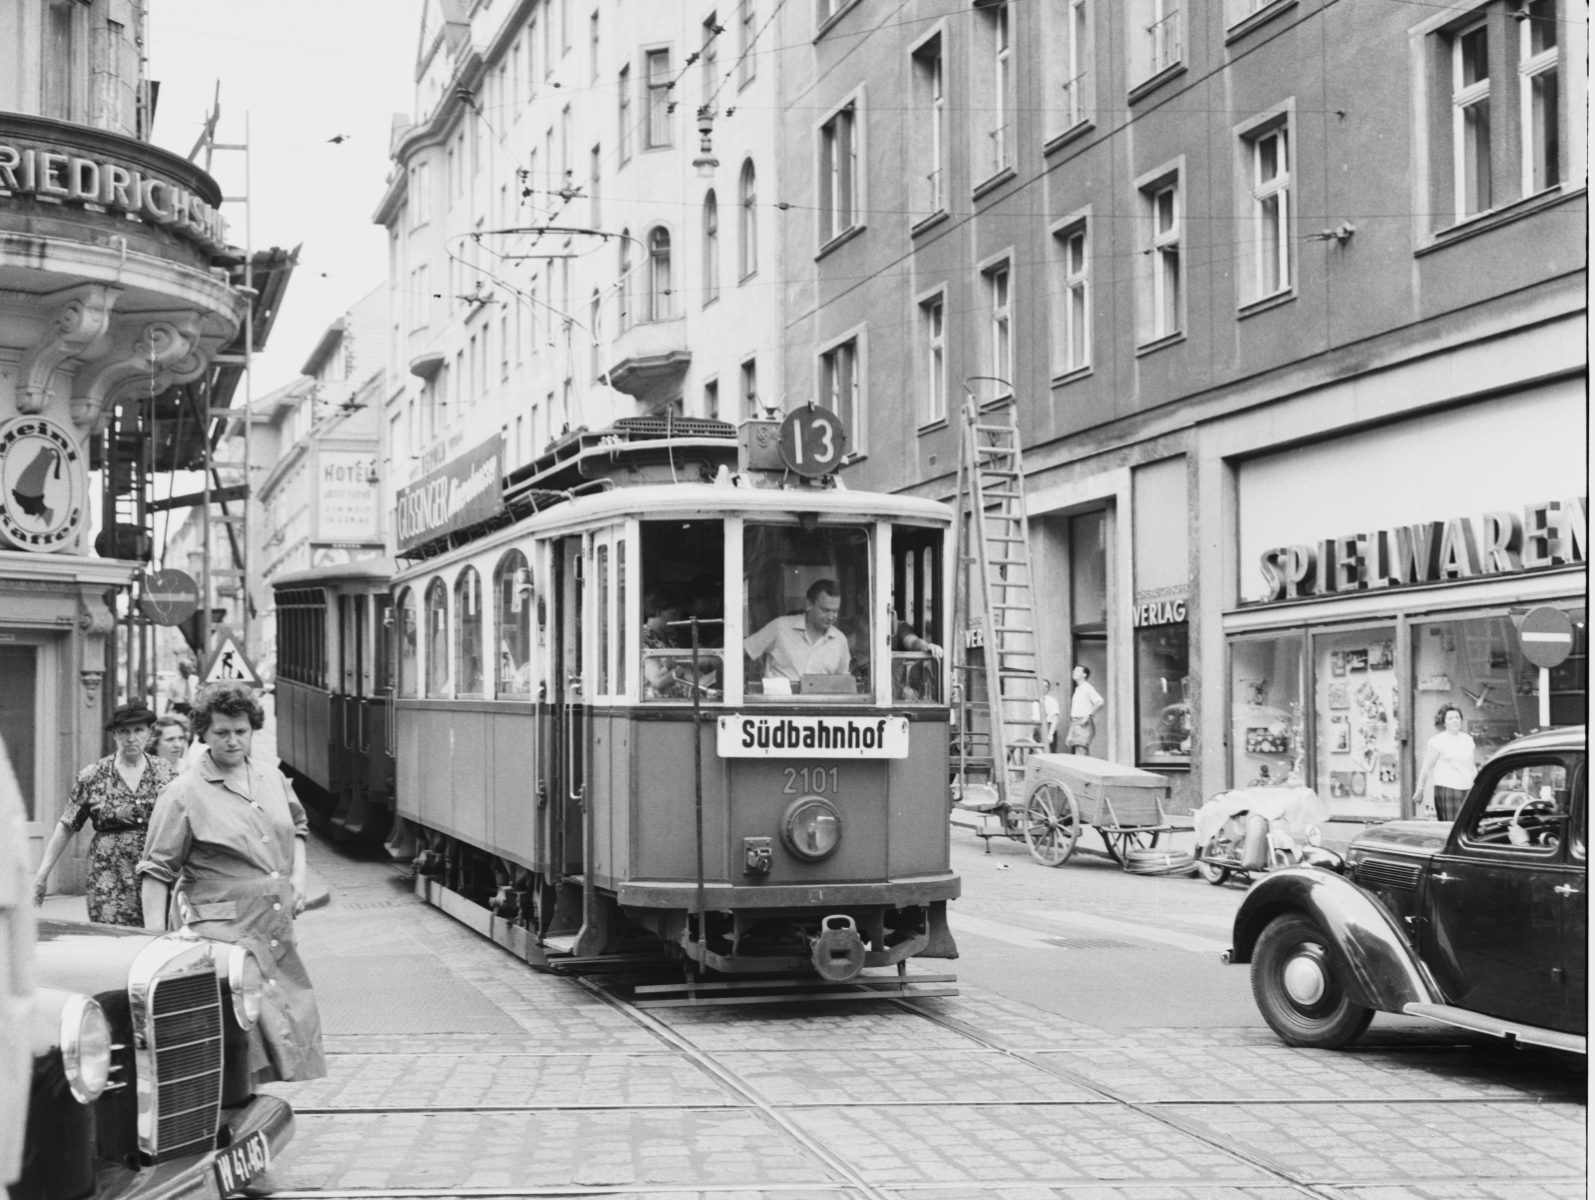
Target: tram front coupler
[[837, 951]]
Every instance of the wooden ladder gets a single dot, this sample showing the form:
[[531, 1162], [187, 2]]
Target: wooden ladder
[[998, 652]]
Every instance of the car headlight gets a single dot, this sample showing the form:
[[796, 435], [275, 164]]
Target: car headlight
[[85, 1048], [811, 828], [243, 981]]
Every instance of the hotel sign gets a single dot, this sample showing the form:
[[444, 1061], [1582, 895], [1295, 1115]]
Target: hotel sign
[[459, 494], [41, 169], [1548, 534]]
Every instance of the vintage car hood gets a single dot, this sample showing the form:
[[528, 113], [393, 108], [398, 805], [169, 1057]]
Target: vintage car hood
[[76, 956], [1421, 838]]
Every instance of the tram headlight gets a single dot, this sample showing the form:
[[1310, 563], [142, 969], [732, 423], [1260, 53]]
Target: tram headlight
[[244, 982], [812, 828], [85, 1048]]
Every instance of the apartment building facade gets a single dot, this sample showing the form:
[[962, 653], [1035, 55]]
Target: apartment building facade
[[1290, 300], [567, 246]]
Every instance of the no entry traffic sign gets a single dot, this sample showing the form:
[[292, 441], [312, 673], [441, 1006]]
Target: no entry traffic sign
[[169, 597], [1546, 635]]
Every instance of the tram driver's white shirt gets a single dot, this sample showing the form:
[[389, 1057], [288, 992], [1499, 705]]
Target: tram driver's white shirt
[[793, 653]]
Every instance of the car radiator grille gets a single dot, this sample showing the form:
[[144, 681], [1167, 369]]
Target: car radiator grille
[[1376, 873], [186, 1015]]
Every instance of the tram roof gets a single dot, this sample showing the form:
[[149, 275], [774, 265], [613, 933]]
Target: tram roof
[[713, 500], [356, 572]]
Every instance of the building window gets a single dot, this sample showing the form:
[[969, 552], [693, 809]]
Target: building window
[[711, 248], [933, 360], [420, 197], [659, 85], [746, 35], [709, 58], [1269, 174], [1159, 295], [1541, 100], [824, 10], [564, 27], [838, 173], [750, 387], [623, 90], [1267, 727], [468, 628], [1470, 119], [711, 399], [660, 303], [594, 159], [1155, 37], [592, 47], [531, 58], [839, 389], [60, 59], [1070, 61], [999, 342], [504, 343], [930, 128], [420, 297], [437, 639], [997, 23], [1072, 312], [748, 223], [623, 288]]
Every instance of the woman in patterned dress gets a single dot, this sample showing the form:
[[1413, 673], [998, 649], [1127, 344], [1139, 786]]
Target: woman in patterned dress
[[117, 794]]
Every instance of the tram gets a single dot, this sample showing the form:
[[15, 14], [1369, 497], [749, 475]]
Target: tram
[[333, 690], [657, 705]]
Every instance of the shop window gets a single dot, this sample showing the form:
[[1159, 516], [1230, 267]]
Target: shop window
[[1267, 730], [916, 615], [1162, 695], [1357, 714], [1088, 609], [19, 682], [468, 628], [797, 580], [683, 576], [437, 639], [513, 625], [408, 636]]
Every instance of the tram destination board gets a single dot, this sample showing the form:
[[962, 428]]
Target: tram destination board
[[744, 735]]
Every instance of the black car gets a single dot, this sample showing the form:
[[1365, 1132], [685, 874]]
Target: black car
[[141, 1083], [1482, 924]]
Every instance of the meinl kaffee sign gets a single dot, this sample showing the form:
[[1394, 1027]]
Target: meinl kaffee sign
[[459, 494]]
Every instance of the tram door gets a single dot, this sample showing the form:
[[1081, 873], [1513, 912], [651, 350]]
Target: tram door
[[568, 776]]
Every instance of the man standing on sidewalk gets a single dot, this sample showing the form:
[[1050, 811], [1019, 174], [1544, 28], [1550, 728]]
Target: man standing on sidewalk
[[1083, 709]]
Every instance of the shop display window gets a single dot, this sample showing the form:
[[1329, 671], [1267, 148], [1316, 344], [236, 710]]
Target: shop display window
[[1162, 695], [1357, 717], [1267, 722]]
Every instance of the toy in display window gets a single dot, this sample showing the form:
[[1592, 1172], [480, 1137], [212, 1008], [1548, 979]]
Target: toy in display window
[[1357, 706]]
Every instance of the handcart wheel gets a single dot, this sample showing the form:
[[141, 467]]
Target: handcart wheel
[[1121, 841], [1052, 824], [1214, 875]]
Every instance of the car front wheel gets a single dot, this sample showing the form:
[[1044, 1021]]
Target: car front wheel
[[1297, 984]]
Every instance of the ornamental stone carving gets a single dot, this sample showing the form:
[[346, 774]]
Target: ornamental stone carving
[[145, 360], [77, 332]]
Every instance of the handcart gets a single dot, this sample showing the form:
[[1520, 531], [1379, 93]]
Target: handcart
[[1064, 792]]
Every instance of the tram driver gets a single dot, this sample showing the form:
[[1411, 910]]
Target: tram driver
[[806, 644]]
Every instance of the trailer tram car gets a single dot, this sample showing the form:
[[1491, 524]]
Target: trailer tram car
[[333, 690], [580, 785]]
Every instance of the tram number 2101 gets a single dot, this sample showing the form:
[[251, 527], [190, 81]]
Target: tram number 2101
[[816, 780]]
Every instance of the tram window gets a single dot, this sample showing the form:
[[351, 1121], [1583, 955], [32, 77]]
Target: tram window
[[437, 639], [683, 575], [409, 666], [514, 626], [468, 635], [916, 629], [806, 607], [601, 553], [381, 656]]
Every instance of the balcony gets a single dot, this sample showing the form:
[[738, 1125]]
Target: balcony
[[649, 360]]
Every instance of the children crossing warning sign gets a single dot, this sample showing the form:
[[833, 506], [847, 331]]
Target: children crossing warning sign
[[228, 662]]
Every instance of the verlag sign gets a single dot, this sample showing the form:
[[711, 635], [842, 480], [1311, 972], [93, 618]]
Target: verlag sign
[[1548, 534], [459, 494], [42, 170]]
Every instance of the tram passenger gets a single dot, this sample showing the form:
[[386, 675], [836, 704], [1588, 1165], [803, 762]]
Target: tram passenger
[[706, 601], [661, 610], [806, 643], [917, 680]]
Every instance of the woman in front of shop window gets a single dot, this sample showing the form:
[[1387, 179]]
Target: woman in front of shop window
[[117, 794], [1449, 764], [228, 837]]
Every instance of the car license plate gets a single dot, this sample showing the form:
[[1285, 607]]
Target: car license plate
[[238, 1164]]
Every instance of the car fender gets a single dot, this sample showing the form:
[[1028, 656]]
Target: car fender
[[1383, 972]]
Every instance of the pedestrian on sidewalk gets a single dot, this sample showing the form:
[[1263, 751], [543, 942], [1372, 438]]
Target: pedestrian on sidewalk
[[1083, 709], [226, 857], [1450, 761], [172, 739], [117, 794]]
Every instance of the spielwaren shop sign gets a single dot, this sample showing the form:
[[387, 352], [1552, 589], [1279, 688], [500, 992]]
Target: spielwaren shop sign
[[1539, 536], [456, 496]]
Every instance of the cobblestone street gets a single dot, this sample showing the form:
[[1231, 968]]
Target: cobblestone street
[[457, 1070]]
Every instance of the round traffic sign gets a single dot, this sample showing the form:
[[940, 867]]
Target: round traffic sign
[[1546, 635], [812, 441], [169, 597]]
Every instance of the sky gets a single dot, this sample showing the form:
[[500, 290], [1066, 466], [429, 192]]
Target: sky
[[304, 71]]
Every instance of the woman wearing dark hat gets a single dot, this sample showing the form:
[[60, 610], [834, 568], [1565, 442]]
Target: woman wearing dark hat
[[117, 794], [226, 857]]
